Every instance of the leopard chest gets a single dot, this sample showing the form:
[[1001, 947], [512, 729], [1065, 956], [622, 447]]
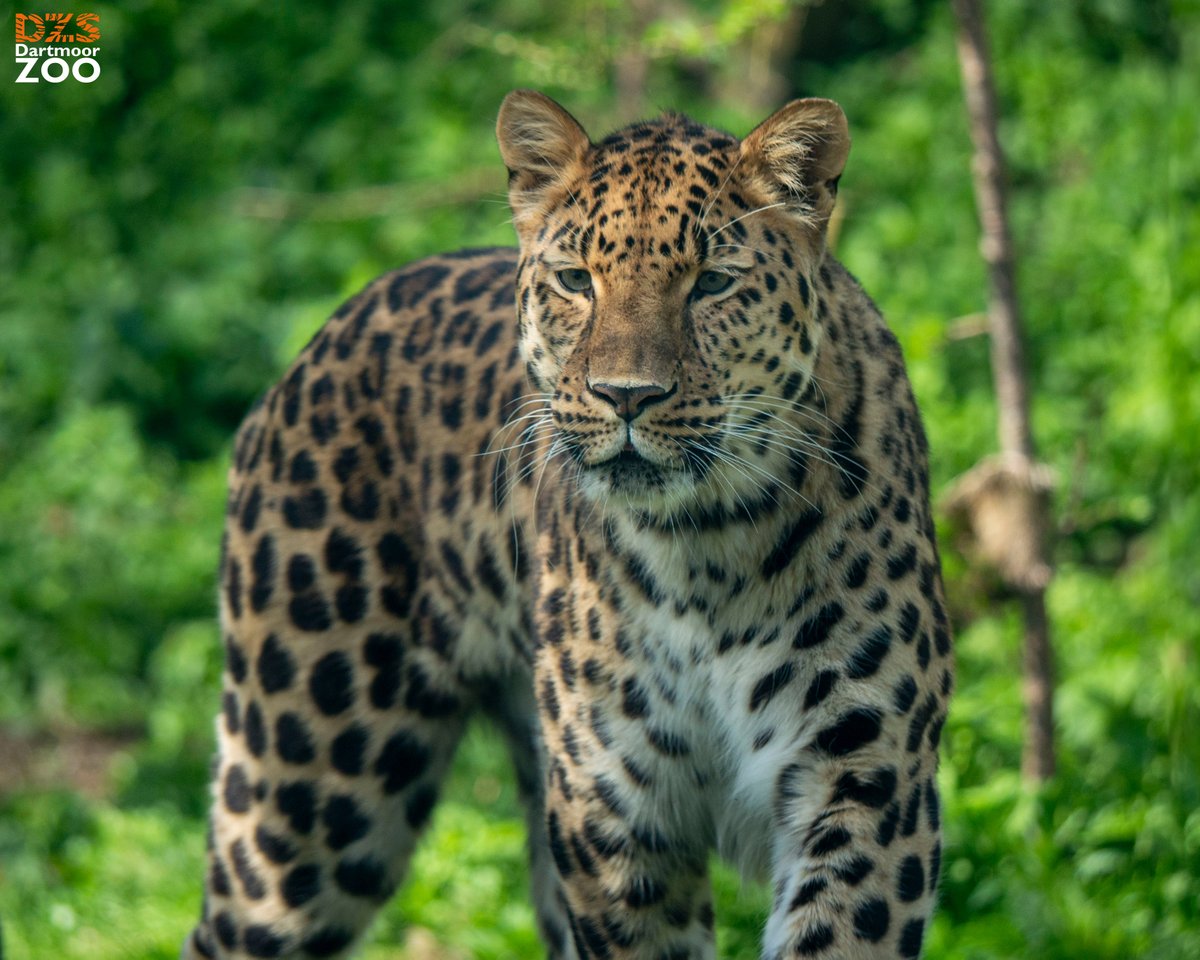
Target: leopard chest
[[687, 726]]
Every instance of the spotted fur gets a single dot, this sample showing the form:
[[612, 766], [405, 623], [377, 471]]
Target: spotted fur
[[667, 528]]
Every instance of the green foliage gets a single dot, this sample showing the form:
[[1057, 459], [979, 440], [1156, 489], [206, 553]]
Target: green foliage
[[172, 234]]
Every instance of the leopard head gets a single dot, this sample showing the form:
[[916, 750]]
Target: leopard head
[[665, 292]]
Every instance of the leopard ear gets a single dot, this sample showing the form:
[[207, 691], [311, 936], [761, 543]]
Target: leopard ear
[[541, 144], [799, 152]]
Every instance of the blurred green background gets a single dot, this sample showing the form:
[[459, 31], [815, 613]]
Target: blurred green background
[[171, 234]]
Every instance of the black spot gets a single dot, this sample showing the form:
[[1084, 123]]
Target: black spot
[[364, 877], [452, 412], [644, 891], [856, 573], [590, 941], [426, 699], [668, 742], [262, 565], [252, 883], [912, 812], [256, 731], [291, 391], [331, 683], [310, 612], [455, 565], [606, 792], [886, 830], [909, 621], [232, 711], [820, 687], [298, 802], [923, 650], [301, 572], [918, 723], [488, 573], [304, 469], [853, 730], [548, 698], [323, 426], [344, 822], [941, 640], [910, 939], [384, 652], [808, 892], [935, 866], [274, 847], [875, 790], [305, 511], [633, 702], [401, 761], [790, 543], [233, 588], [815, 940], [586, 862], [488, 338], [902, 563], [769, 685], [420, 806], [361, 503], [237, 789], [348, 750], [843, 446], [409, 288], [276, 668], [816, 629], [202, 943], [910, 885], [293, 742], [345, 464], [301, 884], [558, 846], [226, 930], [871, 919], [567, 669], [343, 554], [832, 839], [261, 942], [635, 566], [351, 602], [865, 661], [327, 942], [904, 694], [854, 871], [251, 509]]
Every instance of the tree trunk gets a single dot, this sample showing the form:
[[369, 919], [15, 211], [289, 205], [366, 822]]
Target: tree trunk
[[1011, 380]]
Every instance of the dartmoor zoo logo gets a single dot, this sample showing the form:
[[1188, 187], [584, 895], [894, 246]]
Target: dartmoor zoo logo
[[52, 47]]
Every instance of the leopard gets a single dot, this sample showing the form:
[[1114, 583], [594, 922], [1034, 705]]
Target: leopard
[[648, 496]]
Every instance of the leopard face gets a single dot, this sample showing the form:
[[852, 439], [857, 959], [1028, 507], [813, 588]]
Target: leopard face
[[669, 357]]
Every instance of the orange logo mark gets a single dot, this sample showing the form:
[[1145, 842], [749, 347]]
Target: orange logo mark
[[53, 27]]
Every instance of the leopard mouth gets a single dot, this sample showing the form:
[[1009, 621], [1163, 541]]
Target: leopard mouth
[[629, 471]]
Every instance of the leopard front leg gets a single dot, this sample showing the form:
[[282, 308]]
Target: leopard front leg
[[622, 820], [858, 842], [635, 886]]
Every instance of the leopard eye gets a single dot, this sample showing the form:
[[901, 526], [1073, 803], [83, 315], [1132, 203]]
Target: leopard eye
[[575, 279], [713, 281]]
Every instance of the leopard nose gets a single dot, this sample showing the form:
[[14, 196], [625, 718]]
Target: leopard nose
[[629, 400]]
